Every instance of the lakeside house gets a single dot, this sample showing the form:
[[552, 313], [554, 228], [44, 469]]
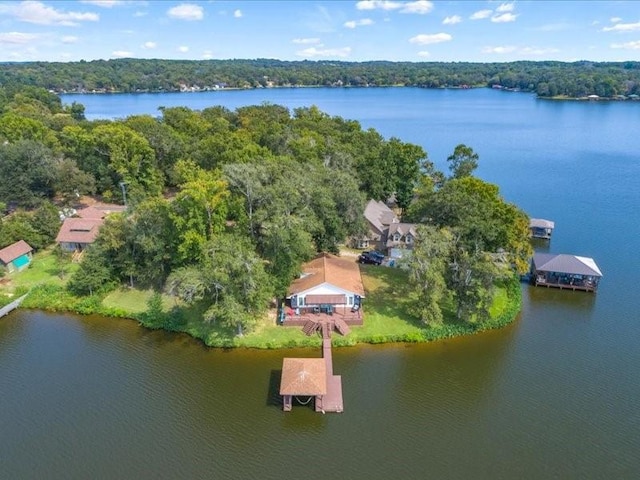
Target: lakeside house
[[386, 233], [77, 233], [541, 228], [16, 256], [565, 272], [329, 287]]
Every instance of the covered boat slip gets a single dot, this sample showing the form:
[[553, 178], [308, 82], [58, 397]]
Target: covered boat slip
[[565, 272], [541, 228]]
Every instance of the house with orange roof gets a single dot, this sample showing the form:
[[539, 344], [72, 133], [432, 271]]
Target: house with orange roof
[[328, 285]]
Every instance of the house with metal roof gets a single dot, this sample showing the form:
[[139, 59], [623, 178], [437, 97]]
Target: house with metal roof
[[16, 256], [541, 228], [565, 272]]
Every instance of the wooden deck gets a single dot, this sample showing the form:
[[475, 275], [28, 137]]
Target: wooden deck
[[566, 286], [339, 317]]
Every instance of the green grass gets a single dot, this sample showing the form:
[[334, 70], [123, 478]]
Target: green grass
[[133, 300], [42, 270], [386, 310]]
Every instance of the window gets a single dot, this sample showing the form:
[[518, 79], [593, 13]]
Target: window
[[349, 300], [396, 237], [408, 239], [301, 301]]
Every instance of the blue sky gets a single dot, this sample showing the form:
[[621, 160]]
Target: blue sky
[[476, 31]]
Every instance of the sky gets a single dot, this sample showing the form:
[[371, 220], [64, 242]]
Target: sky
[[439, 31]]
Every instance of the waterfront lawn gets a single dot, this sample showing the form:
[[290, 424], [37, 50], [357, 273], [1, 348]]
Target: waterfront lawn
[[41, 271], [133, 300]]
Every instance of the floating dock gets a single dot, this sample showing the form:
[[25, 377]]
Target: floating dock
[[12, 306]]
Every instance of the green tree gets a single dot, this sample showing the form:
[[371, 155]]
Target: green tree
[[428, 266], [463, 161]]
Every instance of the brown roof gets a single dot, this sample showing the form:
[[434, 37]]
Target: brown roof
[[13, 251], [79, 230], [91, 212], [303, 376], [327, 268]]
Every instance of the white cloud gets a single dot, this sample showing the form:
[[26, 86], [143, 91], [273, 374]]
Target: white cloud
[[149, 45], [424, 54], [183, 49], [237, 13], [186, 11], [419, 7], [69, 39], [452, 20], [41, 14], [553, 27], [207, 54], [121, 54], [378, 5], [505, 7], [326, 52], [140, 14], [623, 27], [16, 38], [535, 51], [305, 41], [358, 23], [499, 50], [103, 3], [424, 39], [615, 19], [481, 14], [627, 46], [504, 18]]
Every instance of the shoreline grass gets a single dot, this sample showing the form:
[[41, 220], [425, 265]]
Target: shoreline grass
[[386, 310]]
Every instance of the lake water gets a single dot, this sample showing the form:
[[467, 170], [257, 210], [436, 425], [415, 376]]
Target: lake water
[[555, 395]]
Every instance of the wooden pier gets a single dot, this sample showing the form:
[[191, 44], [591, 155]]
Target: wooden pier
[[12, 306]]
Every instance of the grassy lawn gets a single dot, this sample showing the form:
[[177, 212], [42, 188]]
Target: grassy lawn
[[41, 270], [133, 300]]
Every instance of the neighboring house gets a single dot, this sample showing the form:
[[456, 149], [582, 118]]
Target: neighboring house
[[328, 284], [386, 233], [16, 257], [565, 271], [76, 234], [400, 238], [378, 216]]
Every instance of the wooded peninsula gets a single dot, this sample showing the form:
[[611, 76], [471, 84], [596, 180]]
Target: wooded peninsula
[[547, 79], [219, 209]]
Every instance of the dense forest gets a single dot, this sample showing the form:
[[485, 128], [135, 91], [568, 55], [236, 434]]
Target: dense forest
[[547, 79], [224, 206]]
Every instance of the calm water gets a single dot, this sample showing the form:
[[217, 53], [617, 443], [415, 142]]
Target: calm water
[[555, 395]]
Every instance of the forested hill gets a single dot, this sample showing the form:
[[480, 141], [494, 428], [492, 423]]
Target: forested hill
[[547, 79]]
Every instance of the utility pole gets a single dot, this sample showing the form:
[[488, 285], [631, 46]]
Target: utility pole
[[124, 193]]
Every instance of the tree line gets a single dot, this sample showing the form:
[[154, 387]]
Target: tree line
[[545, 78], [224, 206]]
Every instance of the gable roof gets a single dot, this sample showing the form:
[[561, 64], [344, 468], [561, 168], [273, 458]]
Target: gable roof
[[90, 212], [327, 268], [402, 228], [303, 376], [79, 230], [562, 263], [379, 215], [541, 223], [13, 251]]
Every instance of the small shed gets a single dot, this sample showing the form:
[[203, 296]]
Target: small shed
[[17, 256], [541, 228], [565, 271], [302, 377]]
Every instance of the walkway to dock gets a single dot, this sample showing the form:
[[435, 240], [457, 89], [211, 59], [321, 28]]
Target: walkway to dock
[[12, 306], [332, 401]]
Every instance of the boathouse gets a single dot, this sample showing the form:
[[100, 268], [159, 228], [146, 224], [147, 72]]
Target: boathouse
[[16, 256], [304, 379], [541, 228], [565, 271]]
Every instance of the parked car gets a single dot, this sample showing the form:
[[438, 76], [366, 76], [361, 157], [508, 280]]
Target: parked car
[[371, 258]]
